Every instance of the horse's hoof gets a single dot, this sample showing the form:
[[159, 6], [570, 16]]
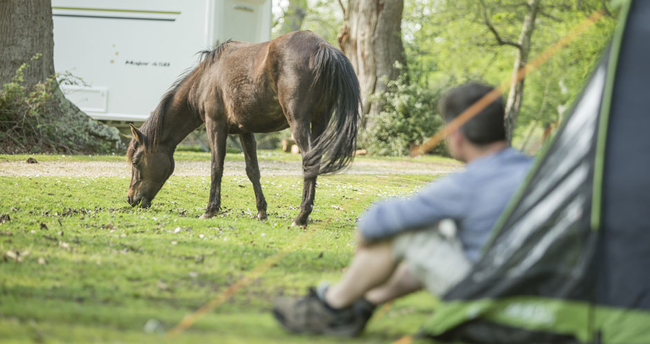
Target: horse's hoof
[[261, 216], [206, 216], [296, 224]]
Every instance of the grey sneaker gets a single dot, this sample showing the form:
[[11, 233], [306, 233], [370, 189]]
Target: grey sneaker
[[363, 311], [309, 314]]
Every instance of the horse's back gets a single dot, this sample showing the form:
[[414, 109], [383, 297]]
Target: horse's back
[[298, 42], [296, 47], [295, 51], [266, 63], [255, 79]]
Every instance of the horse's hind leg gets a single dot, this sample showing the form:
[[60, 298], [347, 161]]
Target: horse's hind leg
[[217, 133], [304, 138], [253, 171]]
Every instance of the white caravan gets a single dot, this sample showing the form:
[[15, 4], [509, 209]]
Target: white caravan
[[129, 52]]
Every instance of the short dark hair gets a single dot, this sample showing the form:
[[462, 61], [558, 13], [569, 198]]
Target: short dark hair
[[487, 126]]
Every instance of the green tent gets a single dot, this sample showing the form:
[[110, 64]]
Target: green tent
[[569, 261]]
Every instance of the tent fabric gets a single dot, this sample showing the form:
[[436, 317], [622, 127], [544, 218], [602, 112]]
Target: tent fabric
[[569, 262], [624, 277]]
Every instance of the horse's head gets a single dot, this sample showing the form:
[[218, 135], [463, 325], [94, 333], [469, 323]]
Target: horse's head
[[150, 168]]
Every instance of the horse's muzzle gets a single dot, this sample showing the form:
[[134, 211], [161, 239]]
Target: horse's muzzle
[[142, 201]]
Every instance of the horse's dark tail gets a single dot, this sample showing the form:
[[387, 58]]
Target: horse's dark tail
[[335, 147]]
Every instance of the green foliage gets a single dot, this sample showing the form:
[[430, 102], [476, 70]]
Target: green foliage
[[95, 270], [37, 119], [408, 117], [21, 107], [272, 140], [448, 40], [322, 17]]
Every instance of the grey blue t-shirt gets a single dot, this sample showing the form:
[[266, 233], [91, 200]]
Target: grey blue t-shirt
[[473, 198]]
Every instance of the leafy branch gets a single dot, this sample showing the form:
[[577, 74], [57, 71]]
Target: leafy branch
[[486, 21]]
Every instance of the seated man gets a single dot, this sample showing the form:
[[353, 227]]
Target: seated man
[[401, 247]]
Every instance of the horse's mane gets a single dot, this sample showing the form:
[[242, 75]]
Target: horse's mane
[[209, 56], [152, 127]]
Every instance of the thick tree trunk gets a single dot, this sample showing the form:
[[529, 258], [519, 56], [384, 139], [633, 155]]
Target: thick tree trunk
[[294, 16], [26, 30], [515, 97], [372, 39]]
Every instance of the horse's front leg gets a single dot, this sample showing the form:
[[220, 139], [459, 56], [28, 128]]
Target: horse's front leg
[[249, 147], [217, 133]]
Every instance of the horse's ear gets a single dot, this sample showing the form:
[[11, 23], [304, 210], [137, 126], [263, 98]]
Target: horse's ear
[[137, 135]]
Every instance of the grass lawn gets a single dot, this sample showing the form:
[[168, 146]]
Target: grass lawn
[[93, 269]]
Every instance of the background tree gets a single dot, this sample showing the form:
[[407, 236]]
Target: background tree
[[515, 96], [25, 33], [26, 30], [320, 16], [293, 17], [371, 38]]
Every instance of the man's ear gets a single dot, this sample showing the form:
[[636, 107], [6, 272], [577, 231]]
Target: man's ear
[[455, 144], [137, 135], [456, 135]]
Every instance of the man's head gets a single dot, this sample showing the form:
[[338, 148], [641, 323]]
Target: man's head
[[480, 133]]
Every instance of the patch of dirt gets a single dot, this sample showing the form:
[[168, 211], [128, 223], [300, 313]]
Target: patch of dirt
[[202, 168]]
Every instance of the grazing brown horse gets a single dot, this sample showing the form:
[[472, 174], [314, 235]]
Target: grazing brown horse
[[297, 80]]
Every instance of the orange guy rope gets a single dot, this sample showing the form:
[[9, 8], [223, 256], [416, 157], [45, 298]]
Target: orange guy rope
[[234, 288], [404, 340], [482, 103]]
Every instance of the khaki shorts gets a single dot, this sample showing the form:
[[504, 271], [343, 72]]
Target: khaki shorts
[[434, 256]]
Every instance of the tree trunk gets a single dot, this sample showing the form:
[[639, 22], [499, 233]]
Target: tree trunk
[[26, 31], [294, 16], [515, 97], [372, 39]]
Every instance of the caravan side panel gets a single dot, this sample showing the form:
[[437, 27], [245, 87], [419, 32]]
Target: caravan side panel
[[127, 52]]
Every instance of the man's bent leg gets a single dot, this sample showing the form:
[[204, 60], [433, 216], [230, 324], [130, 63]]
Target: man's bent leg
[[423, 245], [435, 257], [401, 283], [372, 266]]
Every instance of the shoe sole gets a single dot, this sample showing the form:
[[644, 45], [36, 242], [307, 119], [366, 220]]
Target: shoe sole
[[328, 332]]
